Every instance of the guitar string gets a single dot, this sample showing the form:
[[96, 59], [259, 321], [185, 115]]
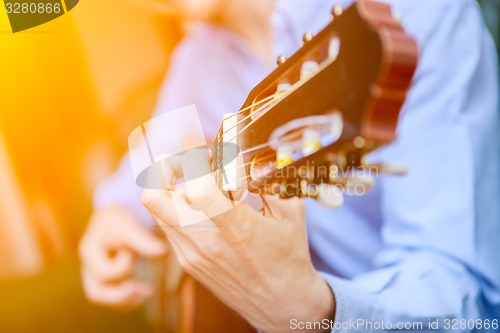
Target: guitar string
[[247, 151], [272, 101], [268, 100], [258, 147], [245, 109], [220, 161], [268, 104], [282, 94], [220, 141], [225, 170], [243, 165], [275, 101], [219, 131], [219, 135]]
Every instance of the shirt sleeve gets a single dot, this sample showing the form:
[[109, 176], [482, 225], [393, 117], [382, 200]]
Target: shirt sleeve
[[216, 82], [440, 231]]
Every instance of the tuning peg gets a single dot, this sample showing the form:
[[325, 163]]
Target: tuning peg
[[359, 142], [337, 10], [281, 60], [337, 125], [311, 142], [283, 87], [329, 196], [391, 169], [309, 69], [397, 16], [334, 48], [284, 156], [307, 37]]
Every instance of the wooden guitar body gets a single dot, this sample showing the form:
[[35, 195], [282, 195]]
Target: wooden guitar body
[[188, 307]]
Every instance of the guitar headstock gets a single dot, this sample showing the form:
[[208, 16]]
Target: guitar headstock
[[310, 123]]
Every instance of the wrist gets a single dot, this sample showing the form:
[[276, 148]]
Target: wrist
[[310, 301]]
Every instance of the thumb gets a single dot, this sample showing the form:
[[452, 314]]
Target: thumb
[[201, 187]]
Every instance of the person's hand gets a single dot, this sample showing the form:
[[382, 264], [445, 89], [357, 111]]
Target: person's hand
[[259, 265], [108, 250]]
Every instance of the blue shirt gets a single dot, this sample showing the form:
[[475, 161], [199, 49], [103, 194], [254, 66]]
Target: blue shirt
[[420, 248]]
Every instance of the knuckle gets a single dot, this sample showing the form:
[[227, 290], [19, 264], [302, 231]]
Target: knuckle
[[115, 273], [182, 261], [199, 195], [208, 243], [91, 293], [150, 201], [186, 264], [195, 262], [83, 250], [147, 198], [240, 238], [211, 250], [239, 235], [95, 298], [121, 300]]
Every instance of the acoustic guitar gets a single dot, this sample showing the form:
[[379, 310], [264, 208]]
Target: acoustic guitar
[[304, 130]]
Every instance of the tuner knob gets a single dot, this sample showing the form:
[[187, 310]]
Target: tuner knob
[[392, 169], [283, 87], [309, 69], [359, 142], [397, 17], [334, 48], [330, 196], [307, 37], [285, 156], [360, 184], [281, 60], [311, 142], [337, 10], [337, 125]]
